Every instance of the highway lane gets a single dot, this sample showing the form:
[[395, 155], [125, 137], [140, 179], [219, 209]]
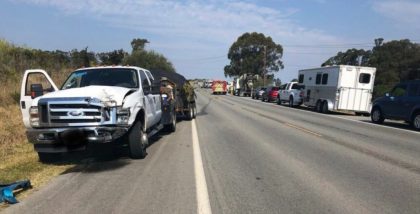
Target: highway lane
[[257, 158], [264, 158]]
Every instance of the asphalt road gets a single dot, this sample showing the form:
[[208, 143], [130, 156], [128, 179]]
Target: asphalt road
[[250, 157]]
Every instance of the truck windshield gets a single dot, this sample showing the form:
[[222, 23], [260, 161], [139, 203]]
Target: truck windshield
[[122, 77]]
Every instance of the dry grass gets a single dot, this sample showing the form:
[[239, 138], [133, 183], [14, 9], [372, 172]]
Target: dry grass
[[18, 160]]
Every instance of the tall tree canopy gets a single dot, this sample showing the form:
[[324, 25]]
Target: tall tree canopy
[[147, 59], [350, 57], [112, 58], [255, 54]]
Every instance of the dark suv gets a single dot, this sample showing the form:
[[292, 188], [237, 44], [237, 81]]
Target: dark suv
[[402, 103]]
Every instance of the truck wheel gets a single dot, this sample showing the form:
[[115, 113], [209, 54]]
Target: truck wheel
[[416, 121], [137, 141], [377, 116], [48, 157], [291, 102]]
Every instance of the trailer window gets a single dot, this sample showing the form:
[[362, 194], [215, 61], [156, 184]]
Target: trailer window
[[301, 76], [318, 79], [364, 78], [324, 79]]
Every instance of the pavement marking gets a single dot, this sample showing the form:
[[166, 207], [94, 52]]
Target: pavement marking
[[203, 201], [333, 116], [283, 122], [303, 129]]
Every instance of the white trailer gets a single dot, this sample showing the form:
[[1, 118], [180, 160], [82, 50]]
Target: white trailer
[[338, 88]]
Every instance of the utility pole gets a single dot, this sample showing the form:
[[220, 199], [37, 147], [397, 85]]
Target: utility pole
[[265, 62]]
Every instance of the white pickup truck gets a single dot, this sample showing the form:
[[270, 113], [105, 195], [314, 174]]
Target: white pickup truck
[[94, 105], [291, 93]]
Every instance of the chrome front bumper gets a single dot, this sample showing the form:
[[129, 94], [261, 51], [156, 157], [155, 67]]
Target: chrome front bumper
[[64, 139]]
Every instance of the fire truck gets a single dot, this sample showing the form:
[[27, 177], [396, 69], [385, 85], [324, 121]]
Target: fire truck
[[219, 87]]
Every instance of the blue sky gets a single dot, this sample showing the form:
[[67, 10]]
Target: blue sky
[[196, 35]]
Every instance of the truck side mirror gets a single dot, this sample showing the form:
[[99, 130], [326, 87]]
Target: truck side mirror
[[36, 90]]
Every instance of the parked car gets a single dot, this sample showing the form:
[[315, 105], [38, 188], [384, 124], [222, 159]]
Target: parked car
[[402, 103], [292, 93], [270, 94], [257, 93]]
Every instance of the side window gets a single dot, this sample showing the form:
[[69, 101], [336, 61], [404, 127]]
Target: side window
[[150, 76], [324, 79], [38, 81], [399, 91], [144, 82], [364, 78], [414, 90], [301, 76], [318, 79]]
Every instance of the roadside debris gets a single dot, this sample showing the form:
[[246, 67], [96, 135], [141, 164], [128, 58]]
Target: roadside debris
[[6, 191]]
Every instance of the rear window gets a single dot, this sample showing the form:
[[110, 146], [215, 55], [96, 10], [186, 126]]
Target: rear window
[[296, 86], [364, 78], [275, 88]]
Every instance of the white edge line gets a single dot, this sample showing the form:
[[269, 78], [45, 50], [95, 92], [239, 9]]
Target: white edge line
[[203, 201]]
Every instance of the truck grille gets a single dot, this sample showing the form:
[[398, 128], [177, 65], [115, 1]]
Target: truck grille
[[74, 112]]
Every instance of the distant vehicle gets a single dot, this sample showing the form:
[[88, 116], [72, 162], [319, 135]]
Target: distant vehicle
[[402, 103], [258, 92], [219, 87], [292, 93], [270, 94], [242, 86], [338, 88]]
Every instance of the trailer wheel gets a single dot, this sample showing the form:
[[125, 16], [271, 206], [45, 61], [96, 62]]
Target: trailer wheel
[[377, 116], [318, 106], [137, 141], [190, 113], [324, 108], [194, 112], [291, 102], [48, 157]]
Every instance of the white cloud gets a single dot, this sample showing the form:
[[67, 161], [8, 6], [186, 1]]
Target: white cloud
[[207, 27], [404, 12]]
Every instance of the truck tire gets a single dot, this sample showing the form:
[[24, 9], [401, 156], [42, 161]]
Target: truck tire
[[137, 141], [172, 127], [48, 157], [291, 102], [377, 116]]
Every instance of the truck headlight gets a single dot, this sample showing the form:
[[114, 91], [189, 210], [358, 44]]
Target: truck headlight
[[34, 116], [123, 115]]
